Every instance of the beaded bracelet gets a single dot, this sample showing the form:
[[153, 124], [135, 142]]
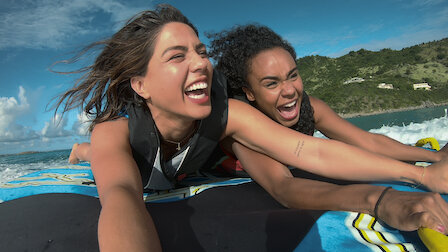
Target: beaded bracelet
[[375, 211]]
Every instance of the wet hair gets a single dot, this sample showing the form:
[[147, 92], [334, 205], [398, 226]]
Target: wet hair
[[104, 88], [233, 51]]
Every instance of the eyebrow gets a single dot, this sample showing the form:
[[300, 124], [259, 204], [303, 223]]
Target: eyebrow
[[183, 48], [276, 78], [178, 47], [199, 46]]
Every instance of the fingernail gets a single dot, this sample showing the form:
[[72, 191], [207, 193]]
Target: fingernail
[[441, 229]]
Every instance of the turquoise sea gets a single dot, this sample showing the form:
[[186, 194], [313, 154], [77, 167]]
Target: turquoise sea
[[399, 118], [406, 127]]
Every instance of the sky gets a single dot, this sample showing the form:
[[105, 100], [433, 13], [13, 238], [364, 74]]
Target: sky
[[36, 33]]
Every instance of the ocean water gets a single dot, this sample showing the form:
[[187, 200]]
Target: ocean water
[[406, 127], [16, 165]]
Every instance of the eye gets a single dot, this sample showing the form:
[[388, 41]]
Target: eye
[[203, 53], [271, 84], [177, 56], [293, 76]]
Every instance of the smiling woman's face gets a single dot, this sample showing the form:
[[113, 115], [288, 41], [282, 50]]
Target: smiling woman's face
[[275, 85], [179, 75]]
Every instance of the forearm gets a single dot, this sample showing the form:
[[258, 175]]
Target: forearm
[[310, 194], [389, 147], [320, 156], [302, 193], [338, 160], [125, 224], [342, 161]]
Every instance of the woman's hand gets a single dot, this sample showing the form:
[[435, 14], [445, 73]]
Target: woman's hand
[[409, 211], [443, 153], [435, 177]]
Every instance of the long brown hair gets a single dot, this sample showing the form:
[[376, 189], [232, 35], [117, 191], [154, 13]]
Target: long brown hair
[[104, 88]]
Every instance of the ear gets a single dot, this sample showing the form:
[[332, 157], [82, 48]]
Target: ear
[[249, 94], [137, 83]]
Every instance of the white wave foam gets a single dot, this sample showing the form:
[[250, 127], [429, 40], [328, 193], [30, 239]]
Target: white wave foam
[[410, 134], [9, 172]]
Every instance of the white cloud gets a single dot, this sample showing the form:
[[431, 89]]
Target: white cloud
[[437, 18], [317, 43], [81, 126], [10, 110], [10, 107], [300, 38], [433, 26], [15, 134], [55, 128], [53, 23], [374, 27], [406, 39], [423, 3]]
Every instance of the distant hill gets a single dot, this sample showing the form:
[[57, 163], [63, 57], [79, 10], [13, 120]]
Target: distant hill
[[326, 78]]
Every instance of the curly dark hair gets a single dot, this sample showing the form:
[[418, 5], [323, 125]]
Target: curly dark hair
[[104, 88], [233, 51]]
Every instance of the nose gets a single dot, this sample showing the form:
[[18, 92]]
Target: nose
[[288, 89], [198, 62]]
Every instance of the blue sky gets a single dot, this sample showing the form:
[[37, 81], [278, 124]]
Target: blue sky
[[36, 33]]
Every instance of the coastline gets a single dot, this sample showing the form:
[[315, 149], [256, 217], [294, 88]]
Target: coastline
[[424, 105]]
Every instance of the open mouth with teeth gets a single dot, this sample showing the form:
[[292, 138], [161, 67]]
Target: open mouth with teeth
[[197, 92], [289, 111]]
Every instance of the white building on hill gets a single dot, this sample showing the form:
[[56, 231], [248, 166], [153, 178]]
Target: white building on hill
[[354, 80], [424, 86], [385, 86]]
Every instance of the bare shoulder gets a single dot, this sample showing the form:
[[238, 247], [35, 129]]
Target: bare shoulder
[[118, 125], [322, 112], [245, 122], [117, 128], [332, 125], [239, 109], [112, 161], [319, 106], [239, 115], [233, 114], [237, 105], [111, 137], [314, 99]]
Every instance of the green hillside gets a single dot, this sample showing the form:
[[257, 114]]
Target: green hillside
[[324, 77]]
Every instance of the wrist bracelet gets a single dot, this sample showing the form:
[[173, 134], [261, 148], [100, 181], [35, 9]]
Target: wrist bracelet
[[375, 211], [421, 179]]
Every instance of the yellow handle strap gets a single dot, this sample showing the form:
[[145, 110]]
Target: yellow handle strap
[[431, 140], [433, 240]]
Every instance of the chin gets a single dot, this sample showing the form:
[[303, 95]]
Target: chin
[[202, 113]]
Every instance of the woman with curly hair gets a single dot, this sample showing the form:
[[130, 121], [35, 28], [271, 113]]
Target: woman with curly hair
[[260, 68], [159, 110]]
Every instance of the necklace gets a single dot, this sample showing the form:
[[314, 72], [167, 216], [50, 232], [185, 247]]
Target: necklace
[[172, 142], [183, 140]]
